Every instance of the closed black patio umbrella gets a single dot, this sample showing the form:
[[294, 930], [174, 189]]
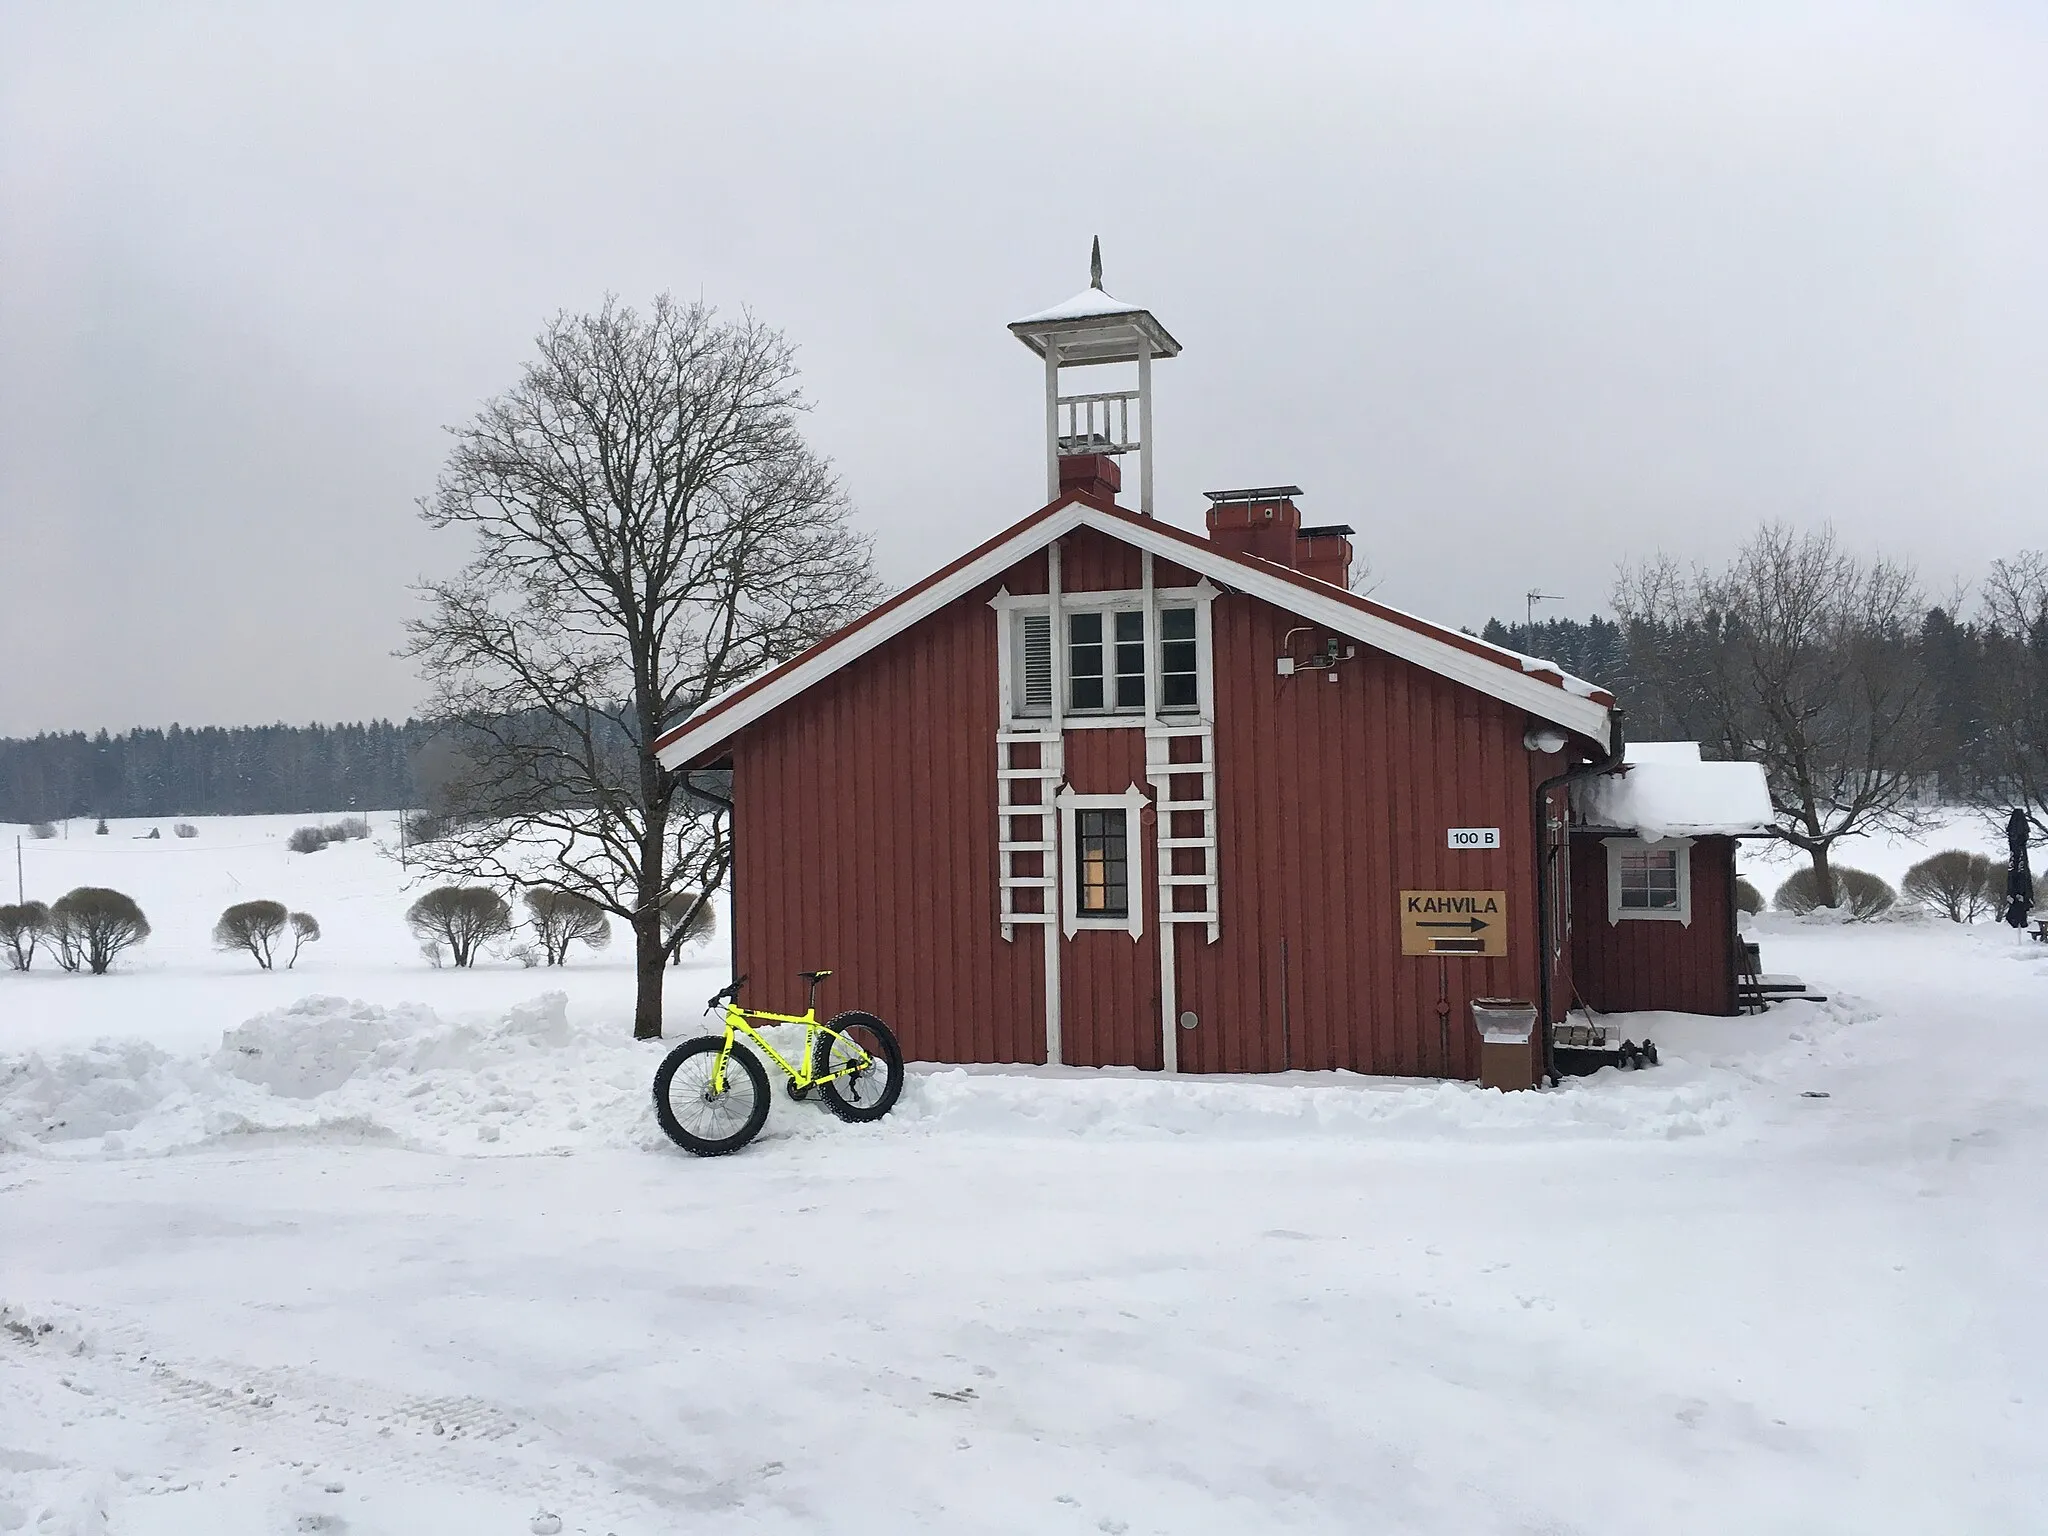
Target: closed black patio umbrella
[[2019, 879]]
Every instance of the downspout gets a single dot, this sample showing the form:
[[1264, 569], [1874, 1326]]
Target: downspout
[[1617, 747]]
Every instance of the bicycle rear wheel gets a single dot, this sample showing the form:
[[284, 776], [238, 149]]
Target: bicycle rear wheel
[[863, 1047], [698, 1118]]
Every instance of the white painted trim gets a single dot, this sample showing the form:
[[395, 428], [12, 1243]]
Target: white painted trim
[[1132, 802], [1616, 913], [1543, 700]]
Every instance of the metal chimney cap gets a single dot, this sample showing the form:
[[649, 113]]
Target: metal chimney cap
[[1254, 493]]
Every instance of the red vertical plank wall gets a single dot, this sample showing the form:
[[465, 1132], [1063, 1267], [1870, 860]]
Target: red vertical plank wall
[[1333, 799], [1636, 964], [866, 814], [865, 822]]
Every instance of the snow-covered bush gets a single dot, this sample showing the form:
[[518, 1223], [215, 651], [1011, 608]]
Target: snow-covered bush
[[101, 829], [1861, 893], [185, 829], [92, 925], [1955, 884], [21, 929], [347, 830], [307, 840], [562, 918], [463, 917], [42, 829], [1747, 897]]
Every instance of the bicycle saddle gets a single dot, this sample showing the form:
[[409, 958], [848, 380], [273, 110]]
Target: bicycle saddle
[[814, 976]]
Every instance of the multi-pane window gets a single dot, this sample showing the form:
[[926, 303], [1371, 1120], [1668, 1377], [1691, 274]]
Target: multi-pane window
[[1648, 879], [1178, 679], [1084, 661], [1102, 866], [1107, 667]]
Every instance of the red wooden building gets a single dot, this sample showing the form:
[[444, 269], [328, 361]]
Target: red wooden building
[[1105, 792], [1653, 879]]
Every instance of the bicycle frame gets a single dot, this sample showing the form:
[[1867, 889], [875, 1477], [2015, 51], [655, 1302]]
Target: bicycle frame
[[737, 1023]]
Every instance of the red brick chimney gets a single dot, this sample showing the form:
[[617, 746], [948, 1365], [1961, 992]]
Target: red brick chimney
[[1096, 474], [1325, 553], [1262, 521]]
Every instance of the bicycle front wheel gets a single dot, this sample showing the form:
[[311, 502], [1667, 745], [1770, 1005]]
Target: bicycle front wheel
[[861, 1047], [710, 1120]]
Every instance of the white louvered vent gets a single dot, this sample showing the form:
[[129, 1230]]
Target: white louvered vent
[[1034, 642]]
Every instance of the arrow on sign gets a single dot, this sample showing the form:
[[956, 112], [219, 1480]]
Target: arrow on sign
[[1470, 925]]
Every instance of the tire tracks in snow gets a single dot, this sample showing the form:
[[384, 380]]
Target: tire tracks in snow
[[219, 1418]]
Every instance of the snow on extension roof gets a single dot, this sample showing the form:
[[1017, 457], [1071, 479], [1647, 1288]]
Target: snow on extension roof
[[1664, 790]]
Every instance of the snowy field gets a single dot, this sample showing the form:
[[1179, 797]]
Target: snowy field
[[374, 1250]]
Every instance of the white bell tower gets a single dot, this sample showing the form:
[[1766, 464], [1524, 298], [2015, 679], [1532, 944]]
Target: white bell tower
[[1089, 330]]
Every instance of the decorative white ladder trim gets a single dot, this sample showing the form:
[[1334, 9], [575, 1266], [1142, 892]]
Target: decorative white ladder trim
[[1051, 769], [1161, 771]]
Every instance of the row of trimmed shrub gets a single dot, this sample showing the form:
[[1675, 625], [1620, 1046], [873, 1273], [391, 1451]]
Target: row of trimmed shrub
[[45, 830], [313, 839], [1954, 884], [463, 919], [88, 928], [84, 930]]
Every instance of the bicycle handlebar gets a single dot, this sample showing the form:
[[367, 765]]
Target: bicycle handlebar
[[732, 992]]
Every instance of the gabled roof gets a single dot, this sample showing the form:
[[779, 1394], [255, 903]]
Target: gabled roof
[[1540, 687]]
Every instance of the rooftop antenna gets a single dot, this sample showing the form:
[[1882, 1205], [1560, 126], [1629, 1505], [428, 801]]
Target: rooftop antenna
[[1092, 329], [1529, 601]]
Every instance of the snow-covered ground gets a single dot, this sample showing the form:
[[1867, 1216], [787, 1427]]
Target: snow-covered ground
[[372, 1248]]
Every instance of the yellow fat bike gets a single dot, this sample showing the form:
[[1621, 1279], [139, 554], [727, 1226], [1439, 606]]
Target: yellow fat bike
[[711, 1093]]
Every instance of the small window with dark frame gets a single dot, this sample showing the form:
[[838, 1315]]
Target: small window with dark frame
[[1130, 660], [1649, 879], [1084, 661], [1178, 683], [1102, 869]]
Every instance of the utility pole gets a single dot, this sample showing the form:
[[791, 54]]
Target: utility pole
[[1529, 601]]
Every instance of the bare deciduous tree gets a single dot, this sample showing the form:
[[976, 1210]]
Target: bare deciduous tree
[[562, 918], [93, 925], [305, 930], [1801, 657], [464, 917], [21, 929], [687, 918], [2012, 749], [650, 529], [252, 926]]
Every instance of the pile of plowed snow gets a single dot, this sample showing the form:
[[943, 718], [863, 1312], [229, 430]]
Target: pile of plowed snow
[[532, 1080]]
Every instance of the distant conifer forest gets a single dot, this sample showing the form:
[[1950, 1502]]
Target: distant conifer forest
[[210, 771]]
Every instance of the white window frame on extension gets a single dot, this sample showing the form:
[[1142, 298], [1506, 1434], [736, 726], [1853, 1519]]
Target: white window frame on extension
[[1618, 848], [1014, 613], [1132, 803]]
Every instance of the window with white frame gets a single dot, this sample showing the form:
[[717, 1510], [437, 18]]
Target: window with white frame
[[1649, 880], [1108, 668], [1102, 861]]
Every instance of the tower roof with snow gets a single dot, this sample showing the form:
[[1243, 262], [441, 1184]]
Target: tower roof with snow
[[1094, 326]]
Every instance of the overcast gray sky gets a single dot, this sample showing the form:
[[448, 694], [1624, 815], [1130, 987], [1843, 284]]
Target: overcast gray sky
[[1519, 291]]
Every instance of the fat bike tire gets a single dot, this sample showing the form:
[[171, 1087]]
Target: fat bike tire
[[696, 1119], [867, 1095]]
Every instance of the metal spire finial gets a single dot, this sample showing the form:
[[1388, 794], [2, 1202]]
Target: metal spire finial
[[1095, 264]]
